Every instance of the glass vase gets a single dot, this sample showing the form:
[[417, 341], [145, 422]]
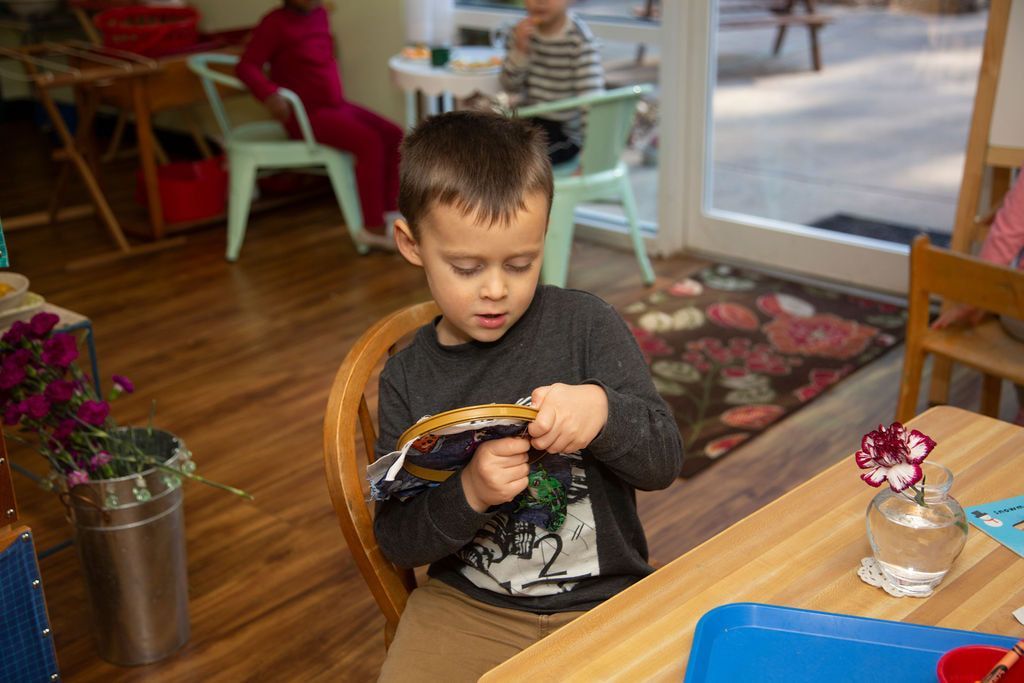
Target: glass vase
[[915, 545]]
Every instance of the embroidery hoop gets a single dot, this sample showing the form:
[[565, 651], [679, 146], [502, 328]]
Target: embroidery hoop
[[460, 420]]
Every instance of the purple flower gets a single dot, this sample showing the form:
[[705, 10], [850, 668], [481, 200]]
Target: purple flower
[[60, 391], [893, 455], [99, 460], [94, 412], [60, 350], [19, 330], [76, 477], [42, 323], [11, 373], [12, 414], [64, 429], [123, 383], [36, 406], [22, 356]]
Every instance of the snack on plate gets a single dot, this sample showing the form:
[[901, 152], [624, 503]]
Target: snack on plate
[[416, 52], [475, 65]]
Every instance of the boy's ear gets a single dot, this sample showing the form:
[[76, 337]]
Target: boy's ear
[[408, 247]]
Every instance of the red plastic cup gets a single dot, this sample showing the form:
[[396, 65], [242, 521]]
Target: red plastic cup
[[970, 663]]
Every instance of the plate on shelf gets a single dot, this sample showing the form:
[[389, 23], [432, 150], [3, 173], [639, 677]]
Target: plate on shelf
[[476, 60], [416, 53], [752, 642], [31, 303]]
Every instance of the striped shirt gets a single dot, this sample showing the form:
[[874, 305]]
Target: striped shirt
[[557, 66]]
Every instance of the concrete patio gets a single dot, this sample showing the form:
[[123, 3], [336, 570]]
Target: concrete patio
[[879, 133]]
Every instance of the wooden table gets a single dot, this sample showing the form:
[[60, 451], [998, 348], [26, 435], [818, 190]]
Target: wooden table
[[171, 85], [801, 550]]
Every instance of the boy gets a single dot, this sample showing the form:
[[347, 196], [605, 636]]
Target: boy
[[475, 193], [296, 41], [552, 56]]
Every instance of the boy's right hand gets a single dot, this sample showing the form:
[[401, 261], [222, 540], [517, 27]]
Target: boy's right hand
[[498, 471], [522, 32], [279, 107]]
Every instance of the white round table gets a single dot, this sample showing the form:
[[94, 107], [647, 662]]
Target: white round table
[[443, 82]]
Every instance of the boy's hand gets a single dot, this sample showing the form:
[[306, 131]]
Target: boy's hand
[[279, 107], [498, 471], [958, 314], [522, 32], [570, 416]]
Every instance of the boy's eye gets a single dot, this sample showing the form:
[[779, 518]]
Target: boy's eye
[[519, 267], [465, 271]]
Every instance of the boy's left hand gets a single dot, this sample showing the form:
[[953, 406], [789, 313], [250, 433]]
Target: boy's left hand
[[569, 416]]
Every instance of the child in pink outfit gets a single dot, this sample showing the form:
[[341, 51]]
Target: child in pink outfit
[[295, 40], [1005, 246]]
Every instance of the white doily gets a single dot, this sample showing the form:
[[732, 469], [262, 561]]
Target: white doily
[[871, 574]]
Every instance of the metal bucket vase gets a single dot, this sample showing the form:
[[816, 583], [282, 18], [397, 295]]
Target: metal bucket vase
[[130, 536]]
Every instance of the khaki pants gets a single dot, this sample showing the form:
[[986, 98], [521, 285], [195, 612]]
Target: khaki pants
[[444, 635]]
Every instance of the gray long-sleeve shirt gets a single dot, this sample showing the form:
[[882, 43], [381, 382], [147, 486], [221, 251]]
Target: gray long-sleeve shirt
[[565, 336]]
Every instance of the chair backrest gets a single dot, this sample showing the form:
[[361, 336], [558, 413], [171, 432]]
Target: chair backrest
[[348, 408], [609, 118], [210, 77], [962, 278]]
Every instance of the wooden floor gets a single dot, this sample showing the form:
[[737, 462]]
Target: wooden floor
[[239, 358]]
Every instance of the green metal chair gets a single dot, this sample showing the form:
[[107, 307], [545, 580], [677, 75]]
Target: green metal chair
[[265, 144], [597, 173]]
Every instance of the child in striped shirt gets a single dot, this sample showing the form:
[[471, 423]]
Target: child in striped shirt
[[551, 55]]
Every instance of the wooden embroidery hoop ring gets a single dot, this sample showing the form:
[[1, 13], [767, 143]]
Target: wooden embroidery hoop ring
[[453, 418]]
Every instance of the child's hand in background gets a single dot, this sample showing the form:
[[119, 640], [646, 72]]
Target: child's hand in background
[[279, 107], [958, 314], [569, 416], [522, 32], [497, 473]]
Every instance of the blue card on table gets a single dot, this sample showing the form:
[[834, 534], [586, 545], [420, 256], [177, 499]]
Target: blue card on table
[[1003, 520]]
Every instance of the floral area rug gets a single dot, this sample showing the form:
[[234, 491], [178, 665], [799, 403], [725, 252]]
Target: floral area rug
[[734, 351]]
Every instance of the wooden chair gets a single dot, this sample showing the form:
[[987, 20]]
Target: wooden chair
[[989, 154], [985, 347], [597, 173], [348, 407]]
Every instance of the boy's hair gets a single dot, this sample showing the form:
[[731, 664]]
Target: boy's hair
[[476, 162]]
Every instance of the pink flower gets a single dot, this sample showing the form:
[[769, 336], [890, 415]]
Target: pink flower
[[12, 415], [11, 373], [94, 412], [19, 330], [64, 429], [99, 460], [60, 391], [36, 406], [42, 323], [60, 350], [22, 357], [76, 477], [123, 383], [893, 455]]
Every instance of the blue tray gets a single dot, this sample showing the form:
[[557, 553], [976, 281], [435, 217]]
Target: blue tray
[[750, 642]]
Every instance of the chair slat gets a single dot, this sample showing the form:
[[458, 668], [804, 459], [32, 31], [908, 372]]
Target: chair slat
[[348, 410]]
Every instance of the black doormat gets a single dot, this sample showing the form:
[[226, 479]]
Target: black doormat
[[890, 232]]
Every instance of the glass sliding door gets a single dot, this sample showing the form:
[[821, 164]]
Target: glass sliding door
[[829, 171]]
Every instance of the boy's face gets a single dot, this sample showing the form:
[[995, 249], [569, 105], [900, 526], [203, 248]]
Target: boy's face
[[483, 278], [546, 12]]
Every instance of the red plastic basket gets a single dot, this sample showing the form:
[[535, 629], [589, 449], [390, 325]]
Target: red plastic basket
[[149, 31], [189, 190]]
